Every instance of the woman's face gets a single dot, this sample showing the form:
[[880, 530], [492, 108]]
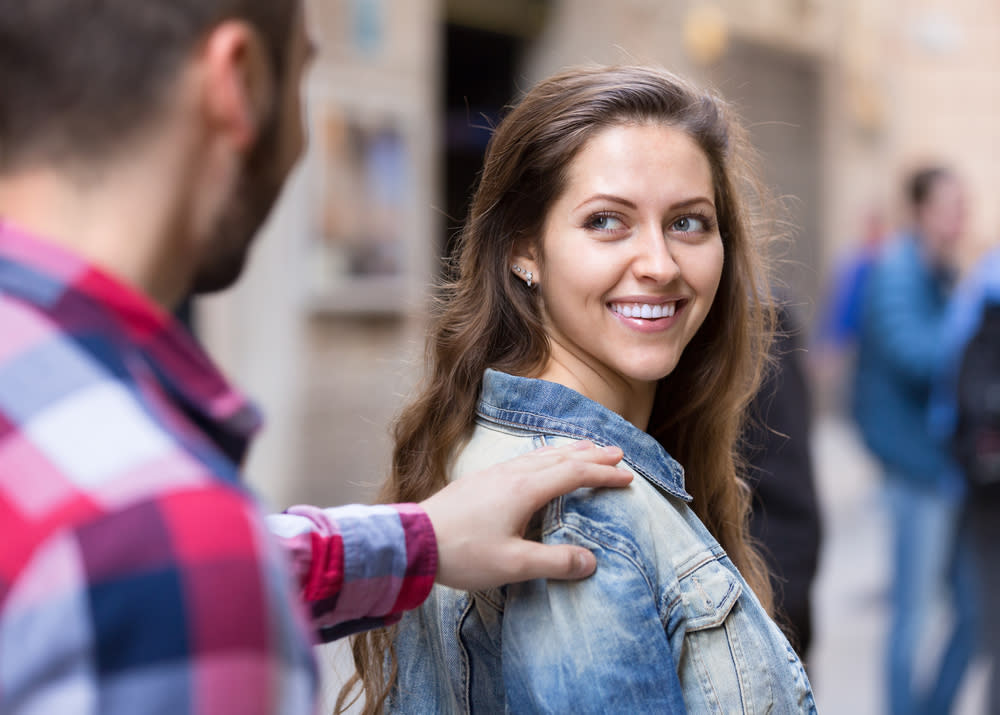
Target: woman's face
[[629, 261]]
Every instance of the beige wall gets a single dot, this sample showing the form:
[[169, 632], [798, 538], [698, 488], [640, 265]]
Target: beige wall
[[946, 95], [912, 81]]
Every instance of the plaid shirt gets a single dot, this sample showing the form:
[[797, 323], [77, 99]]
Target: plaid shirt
[[136, 576]]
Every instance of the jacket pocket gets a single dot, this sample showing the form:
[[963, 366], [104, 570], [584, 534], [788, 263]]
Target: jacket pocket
[[723, 664], [708, 594]]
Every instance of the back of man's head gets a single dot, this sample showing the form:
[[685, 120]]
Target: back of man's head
[[79, 77], [937, 200], [921, 184]]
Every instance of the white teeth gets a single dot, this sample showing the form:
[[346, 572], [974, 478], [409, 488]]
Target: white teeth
[[645, 310]]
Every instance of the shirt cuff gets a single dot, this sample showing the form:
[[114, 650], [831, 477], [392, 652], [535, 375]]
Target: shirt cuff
[[421, 557]]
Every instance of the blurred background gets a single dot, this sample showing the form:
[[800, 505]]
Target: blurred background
[[842, 98]]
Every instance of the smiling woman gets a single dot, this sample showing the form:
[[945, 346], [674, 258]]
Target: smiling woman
[[607, 285]]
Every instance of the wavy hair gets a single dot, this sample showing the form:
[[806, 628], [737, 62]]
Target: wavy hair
[[486, 318]]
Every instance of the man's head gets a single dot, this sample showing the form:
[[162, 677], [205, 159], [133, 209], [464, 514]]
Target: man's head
[[937, 200], [87, 82]]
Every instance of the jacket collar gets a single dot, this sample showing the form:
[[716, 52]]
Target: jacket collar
[[551, 408]]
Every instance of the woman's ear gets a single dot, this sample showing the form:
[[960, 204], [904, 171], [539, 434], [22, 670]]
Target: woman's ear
[[524, 261]]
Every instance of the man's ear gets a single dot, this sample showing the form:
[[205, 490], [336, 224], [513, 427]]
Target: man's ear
[[240, 88]]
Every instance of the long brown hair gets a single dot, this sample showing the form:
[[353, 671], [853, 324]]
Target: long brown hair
[[486, 318]]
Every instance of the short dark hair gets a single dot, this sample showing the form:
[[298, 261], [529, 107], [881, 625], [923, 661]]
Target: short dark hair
[[921, 183], [79, 76]]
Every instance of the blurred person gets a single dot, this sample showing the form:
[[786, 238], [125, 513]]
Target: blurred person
[[785, 515], [141, 146], [834, 343], [899, 353], [607, 284], [965, 414]]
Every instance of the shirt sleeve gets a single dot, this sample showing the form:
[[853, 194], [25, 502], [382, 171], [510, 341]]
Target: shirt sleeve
[[176, 605], [592, 646], [903, 318], [358, 567], [964, 313]]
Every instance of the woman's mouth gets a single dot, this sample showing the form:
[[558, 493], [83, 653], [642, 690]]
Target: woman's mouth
[[645, 311]]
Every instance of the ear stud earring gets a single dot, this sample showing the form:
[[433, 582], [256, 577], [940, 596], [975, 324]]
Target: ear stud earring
[[528, 276]]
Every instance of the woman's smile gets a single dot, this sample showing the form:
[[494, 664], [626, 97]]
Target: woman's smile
[[647, 315]]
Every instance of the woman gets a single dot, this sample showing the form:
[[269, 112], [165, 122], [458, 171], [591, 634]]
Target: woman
[[605, 287]]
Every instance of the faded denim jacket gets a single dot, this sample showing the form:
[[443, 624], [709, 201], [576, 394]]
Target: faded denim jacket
[[666, 624]]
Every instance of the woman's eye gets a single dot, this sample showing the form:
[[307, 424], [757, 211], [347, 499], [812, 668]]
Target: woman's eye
[[605, 222], [690, 224]]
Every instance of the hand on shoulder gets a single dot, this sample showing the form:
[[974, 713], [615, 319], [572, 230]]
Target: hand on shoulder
[[480, 520]]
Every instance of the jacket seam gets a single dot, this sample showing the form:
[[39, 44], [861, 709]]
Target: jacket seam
[[570, 430]]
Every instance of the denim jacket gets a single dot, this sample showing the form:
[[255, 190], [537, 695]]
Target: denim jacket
[[665, 625]]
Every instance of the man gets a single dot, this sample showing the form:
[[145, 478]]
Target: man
[[141, 146], [899, 354]]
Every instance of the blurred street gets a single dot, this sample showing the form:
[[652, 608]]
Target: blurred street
[[847, 664], [616, 196]]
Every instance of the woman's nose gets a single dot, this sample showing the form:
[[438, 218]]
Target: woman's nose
[[654, 260]]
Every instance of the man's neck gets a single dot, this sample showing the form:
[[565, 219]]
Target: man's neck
[[119, 219]]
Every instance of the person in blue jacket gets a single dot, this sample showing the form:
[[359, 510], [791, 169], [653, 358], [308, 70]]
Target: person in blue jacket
[[899, 353]]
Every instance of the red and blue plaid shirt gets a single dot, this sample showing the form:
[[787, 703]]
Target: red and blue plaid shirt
[[136, 575]]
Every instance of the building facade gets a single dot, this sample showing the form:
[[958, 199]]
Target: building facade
[[326, 330]]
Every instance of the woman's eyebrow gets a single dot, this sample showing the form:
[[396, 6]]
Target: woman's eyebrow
[[608, 197], [632, 205]]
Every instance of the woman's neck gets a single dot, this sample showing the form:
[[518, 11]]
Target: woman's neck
[[633, 401]]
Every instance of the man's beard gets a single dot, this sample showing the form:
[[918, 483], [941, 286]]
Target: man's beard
[[256, 191]]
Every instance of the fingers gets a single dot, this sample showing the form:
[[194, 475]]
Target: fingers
[[479, 520], [574, 468], [582, 450], [560, 561]]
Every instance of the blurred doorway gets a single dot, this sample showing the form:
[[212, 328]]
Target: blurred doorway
[[779, 95], [484, 43]]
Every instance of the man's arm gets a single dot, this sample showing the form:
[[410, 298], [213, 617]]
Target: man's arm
[[362, 567]]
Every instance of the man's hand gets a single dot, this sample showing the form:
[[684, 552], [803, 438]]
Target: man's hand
[[480, 520]]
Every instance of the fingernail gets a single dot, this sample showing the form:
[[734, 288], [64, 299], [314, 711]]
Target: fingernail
[[611, 450], [583, 444], [582, 564]]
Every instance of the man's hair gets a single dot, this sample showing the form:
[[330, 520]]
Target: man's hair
[[921, 183], [77, 77]]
